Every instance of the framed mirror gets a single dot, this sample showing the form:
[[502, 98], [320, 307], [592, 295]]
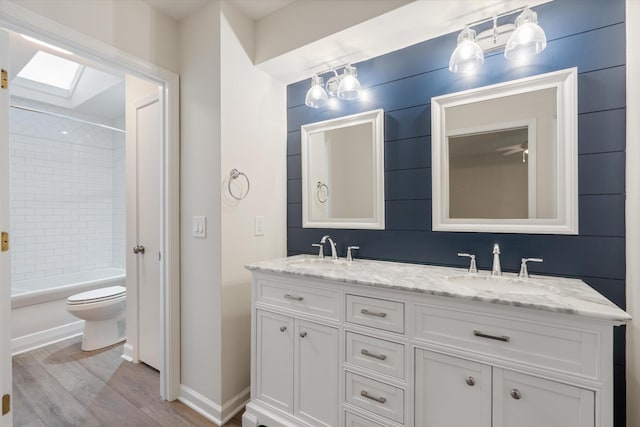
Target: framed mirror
[[505, 157], [343, 172]]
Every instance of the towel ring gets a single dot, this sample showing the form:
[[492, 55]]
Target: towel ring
[[235, 174], [320, 186]]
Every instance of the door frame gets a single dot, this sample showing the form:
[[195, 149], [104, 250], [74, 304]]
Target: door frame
[[19, 19]]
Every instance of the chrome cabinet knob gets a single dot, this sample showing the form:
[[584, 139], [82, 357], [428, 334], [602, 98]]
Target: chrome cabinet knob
[[470, 381], [283, 328], [303, 334], [515, 393], [138, 249]]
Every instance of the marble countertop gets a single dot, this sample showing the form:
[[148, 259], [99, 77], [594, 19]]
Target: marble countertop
[[545, 293]]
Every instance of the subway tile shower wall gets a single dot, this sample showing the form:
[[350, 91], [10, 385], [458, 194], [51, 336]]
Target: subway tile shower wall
[[67, 196], [587, 34]]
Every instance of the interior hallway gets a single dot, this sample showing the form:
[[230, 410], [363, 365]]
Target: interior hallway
[[60, 385]]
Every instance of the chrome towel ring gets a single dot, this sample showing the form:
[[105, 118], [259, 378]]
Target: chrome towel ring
[[320, 186], [235, 174]]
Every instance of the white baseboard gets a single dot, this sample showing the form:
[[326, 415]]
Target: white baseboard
[[46, 337], [128, 354], [211, 410]]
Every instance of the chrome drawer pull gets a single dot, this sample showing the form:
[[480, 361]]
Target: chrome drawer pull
[[293, 297], [303, 334], [364, 393], [375, 356], [283, 328], [470, 381], [502, 338], [515, 393], [372, 313]]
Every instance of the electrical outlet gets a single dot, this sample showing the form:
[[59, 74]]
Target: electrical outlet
[[259, 226]]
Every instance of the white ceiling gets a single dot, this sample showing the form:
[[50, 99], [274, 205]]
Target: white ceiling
[[180, 9], [99, 92]]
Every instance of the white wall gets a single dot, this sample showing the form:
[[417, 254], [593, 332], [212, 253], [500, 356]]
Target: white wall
[[118, 244], [62, 194], [254, 141], [200, 190], [632, 209], [132, 26]]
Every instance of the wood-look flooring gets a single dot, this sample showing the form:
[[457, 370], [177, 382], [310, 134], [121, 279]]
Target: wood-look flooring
[[61, 385]]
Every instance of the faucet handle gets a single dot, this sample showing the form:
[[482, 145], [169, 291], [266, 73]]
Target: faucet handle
[[320, 247], [524, 272], [472, 266], [349, 252], [496, 249]]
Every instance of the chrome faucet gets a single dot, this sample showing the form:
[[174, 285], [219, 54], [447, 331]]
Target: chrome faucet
[[524, 272], [334, 254], [496, 270]]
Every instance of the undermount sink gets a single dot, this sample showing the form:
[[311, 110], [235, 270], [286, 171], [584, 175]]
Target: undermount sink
[[499, 284], [326, 262]]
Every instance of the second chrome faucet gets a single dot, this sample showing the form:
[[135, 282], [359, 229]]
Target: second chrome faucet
[[496, 269]]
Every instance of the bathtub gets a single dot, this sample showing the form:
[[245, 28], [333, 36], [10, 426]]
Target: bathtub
[[39, 306]]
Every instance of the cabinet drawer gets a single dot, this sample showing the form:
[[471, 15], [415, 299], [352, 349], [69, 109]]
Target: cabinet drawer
[[385, 357], [305, 299], [376, 313], [541, 345], [353, 420], [375, 396]]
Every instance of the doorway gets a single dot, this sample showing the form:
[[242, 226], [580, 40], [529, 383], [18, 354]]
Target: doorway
[[168, 183]]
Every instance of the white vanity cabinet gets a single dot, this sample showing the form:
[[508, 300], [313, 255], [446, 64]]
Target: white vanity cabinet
[[459, 392], [377, 344]]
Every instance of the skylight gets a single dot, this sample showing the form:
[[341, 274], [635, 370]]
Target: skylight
[[51, 70]]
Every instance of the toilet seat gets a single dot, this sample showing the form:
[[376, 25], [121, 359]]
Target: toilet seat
[[97, 295]]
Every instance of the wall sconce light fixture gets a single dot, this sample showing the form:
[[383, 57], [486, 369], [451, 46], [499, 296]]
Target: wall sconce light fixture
[[520, 41], [344, 86]]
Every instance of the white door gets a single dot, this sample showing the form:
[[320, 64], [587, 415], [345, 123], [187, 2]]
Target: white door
[[274, 357], [521, 400], [452, 392], [5, 285], [317, 369], [148, 131]]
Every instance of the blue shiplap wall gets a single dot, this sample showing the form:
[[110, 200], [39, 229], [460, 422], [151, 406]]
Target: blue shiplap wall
[[588, 34]]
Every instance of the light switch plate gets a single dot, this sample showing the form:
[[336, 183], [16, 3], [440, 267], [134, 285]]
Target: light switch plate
[[199, 226], [259, 226]]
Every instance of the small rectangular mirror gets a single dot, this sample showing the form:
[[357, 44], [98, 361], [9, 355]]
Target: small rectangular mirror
[[505, 157], [343, 172]]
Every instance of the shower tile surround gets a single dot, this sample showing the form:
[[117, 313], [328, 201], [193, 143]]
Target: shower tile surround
[[589, 35], [67, 194]]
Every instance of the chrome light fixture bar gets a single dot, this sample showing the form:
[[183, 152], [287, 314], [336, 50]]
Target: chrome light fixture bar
[[343, 86], [520, 41]]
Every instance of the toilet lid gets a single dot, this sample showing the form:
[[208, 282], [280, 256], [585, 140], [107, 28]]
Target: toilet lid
[[97, 295]]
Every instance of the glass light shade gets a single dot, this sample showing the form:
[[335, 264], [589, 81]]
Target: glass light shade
[[349, 85], [316, 95], [528, 39], [468, 55]]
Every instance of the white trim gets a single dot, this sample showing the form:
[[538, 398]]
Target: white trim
[[211, 410], [46, 337], [377, 222], [632, 222], [128, 353], [24, 21], [566, 82]]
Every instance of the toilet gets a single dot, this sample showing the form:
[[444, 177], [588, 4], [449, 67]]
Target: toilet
[[103, 311]]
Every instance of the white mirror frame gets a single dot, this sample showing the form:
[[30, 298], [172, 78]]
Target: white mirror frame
[[377, 222], [566, 83]]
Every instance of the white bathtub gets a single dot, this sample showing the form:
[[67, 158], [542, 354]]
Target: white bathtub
[[39, 306]]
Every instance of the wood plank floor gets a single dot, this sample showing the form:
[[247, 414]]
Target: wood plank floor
[[61, 385]]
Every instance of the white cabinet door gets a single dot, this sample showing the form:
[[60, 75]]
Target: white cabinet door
[[316, 373], [521, 400], [451, 392], [275, 359]]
